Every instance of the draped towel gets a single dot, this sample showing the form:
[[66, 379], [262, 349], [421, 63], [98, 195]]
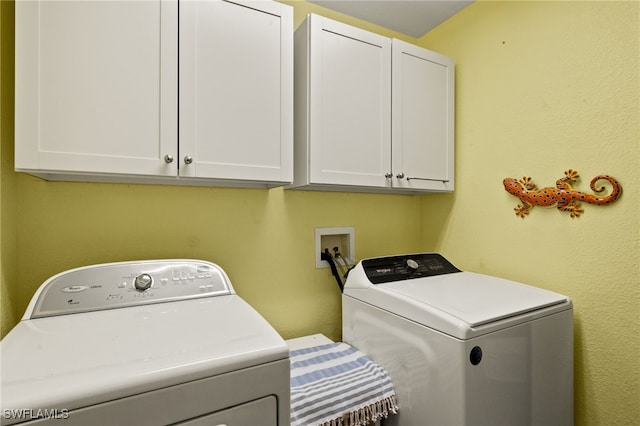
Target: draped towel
[[337, 385]]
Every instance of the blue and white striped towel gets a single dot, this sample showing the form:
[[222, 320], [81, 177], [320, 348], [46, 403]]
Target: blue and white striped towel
[[337, 385]]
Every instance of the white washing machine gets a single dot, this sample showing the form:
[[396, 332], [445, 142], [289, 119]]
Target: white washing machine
[[462, 348], [143, 343]]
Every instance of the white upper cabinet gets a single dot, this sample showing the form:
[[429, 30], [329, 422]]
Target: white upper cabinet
[[236, 90], [155, 91], [422, 119], [370, 114], [343, 105], [96, 87]]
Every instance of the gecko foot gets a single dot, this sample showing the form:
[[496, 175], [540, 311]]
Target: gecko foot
[[527, 183], [571, 175], [574, 209], [521, 211]]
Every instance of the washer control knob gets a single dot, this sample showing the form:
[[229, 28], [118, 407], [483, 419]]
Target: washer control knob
[[143, 282], [412, 265]]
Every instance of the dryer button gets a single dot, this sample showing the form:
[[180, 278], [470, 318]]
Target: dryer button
[[143, 282]]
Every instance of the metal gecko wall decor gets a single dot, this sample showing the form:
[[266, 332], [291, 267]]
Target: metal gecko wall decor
[[562, 196]]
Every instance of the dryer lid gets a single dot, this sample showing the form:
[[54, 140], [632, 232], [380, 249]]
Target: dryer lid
[[82, 359]]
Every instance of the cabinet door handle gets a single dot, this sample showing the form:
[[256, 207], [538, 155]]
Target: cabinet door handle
[[388, 175], [168, 158], [188, 159], [400, 175]]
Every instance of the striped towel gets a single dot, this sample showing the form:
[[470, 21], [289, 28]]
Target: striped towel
[[337, 385]]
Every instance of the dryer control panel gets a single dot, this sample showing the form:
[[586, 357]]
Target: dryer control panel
[[398, 268], [124, 284]]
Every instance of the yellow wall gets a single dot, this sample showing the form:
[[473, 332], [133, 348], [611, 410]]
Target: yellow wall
[[8, 212], [543, 87]]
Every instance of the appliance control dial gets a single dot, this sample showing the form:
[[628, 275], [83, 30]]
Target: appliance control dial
[[143, 282], [412, 265]]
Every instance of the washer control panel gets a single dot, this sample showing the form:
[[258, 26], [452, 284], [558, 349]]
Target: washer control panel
[[398, 268], [124, 284]]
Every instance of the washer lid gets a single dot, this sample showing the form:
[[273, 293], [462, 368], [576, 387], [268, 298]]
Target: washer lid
[[427, 289], [82, 359], [474, 298]]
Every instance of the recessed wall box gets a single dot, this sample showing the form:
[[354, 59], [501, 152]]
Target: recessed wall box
[[342, 237]]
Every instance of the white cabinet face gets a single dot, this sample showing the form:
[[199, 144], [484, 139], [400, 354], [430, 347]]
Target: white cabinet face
[[372, 114], [349, 109], [422, 118], [136, 90], [96, 86], [236, 90]]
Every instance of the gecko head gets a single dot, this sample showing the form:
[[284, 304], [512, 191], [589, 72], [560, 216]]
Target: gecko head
[[512, 186]]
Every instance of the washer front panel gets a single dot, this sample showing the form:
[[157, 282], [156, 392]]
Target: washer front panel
[[119, 285]]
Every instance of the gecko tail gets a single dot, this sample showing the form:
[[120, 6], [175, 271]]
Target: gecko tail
[[615, 191]]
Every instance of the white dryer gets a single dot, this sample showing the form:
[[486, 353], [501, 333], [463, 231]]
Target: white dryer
[[143, 343], [462, 348]]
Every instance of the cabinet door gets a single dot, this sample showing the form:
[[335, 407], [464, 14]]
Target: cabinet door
[[423, 119], [349, 105], [236, 90], [96, 86]]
